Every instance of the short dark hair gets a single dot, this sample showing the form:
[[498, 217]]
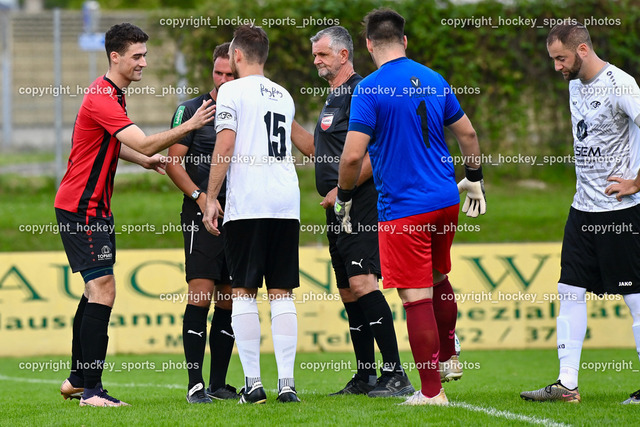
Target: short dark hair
[[384, 26], [121, 36], [339, 38], [570, 35], [221, 51], [253, 42]]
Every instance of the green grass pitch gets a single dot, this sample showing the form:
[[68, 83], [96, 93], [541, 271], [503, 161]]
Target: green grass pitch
[[487, 394]]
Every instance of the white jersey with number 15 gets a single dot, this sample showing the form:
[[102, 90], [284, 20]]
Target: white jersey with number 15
[[261, 181]]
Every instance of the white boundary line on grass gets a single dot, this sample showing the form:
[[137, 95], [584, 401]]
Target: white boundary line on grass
[[44, 381], [508, 415], [493, 412]]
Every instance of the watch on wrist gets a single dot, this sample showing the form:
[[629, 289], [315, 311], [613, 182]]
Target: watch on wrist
[[196, 194]]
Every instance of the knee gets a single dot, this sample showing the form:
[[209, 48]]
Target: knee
[[223, 297], [347, 295], [363, 285], [633, 302], [224, 304], [437, 276], [571, 293], [101, 290]]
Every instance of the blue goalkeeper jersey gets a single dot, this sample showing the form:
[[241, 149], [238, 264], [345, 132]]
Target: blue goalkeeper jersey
[[404, 106]]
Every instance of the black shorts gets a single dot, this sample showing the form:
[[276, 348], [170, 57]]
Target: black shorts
[[356, 253], [601, 251], [89, 242], [263, 248], [203, 252]]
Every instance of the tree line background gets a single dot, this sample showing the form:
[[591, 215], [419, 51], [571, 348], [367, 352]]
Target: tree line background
[[516, 100]]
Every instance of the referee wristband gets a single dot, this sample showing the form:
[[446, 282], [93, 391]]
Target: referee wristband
[[345, 195], [473, 175]]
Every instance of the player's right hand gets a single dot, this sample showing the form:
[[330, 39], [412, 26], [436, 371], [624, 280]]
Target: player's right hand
[[210, 218], [475, 203], [204, 114], [342, 207], [329, 200]]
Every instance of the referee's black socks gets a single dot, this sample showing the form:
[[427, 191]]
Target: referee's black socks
[[362, 339], [221, 341], [378, 314], [194, 339]]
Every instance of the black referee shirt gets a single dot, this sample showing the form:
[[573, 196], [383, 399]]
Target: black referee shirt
[[331, 133], [197, 161]]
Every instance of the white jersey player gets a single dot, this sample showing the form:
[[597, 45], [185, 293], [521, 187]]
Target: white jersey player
[[606, 138], [601, 247], [262, 218], [262, 179]]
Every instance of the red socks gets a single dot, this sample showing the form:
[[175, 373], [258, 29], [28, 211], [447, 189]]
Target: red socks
[[445, 309], [425, 344]]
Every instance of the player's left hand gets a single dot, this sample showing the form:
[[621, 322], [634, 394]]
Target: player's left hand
[[624, 187], [210, 218], [329, 200], [158, 163], [475, 203]]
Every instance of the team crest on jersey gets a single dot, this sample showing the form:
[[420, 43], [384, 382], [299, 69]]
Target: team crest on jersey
[[415, 82], [595, 105], [326, 121], [581, 130]]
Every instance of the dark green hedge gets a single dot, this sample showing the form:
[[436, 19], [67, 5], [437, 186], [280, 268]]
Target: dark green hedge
[[515, 99]]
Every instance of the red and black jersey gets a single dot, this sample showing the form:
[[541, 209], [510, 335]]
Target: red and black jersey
[[87, 185]]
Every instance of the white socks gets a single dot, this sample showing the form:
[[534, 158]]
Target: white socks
[[571, 329], [633, 302], [284, 329], [246, 328]]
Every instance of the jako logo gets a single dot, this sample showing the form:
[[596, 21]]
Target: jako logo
[[625, 283]]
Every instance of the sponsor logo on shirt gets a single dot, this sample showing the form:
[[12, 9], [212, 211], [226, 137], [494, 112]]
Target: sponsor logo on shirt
[[271, 92], [177, 120]]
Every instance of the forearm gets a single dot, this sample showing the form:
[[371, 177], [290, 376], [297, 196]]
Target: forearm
[[131, 155], [353, 153], [216, 178], [181, 178], [152, 144], [302, 139], [470, 149], [349, 172], [222, 152], [149, 145], [366, 171], [467, 141]]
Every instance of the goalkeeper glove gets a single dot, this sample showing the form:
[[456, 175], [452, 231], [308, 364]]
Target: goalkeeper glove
[[342, 207], [475, 203]]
